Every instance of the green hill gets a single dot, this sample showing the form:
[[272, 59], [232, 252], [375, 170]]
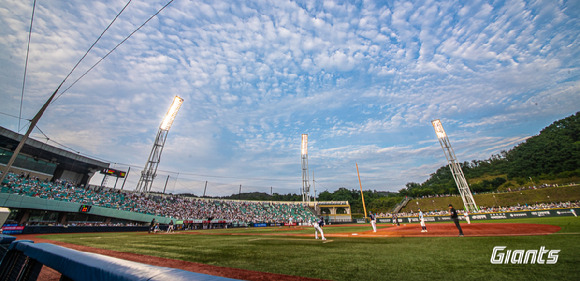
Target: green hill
[[514, 198]]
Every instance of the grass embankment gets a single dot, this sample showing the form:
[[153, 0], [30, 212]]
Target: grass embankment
[[421, 258], [528, 196]]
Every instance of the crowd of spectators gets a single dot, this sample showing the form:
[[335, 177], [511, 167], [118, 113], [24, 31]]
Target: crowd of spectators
[[533, 207], [485, 210], [509, 189], [173, 206]]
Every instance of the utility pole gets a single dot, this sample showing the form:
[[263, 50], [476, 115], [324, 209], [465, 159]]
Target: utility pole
[[33, 123]]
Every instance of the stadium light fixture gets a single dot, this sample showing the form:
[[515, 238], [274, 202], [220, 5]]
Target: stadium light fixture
[[305, 179], [170, 116], [150, 171], [304, 144], [456, 171], [439, 129]]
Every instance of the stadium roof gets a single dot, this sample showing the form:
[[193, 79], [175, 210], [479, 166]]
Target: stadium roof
[[66, 160]]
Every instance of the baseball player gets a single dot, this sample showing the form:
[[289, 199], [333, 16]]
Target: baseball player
[[152, 225], [318, 228], [396, 220], [170, 227], [373, 221], [454, 217], [422, 221], [466, 215]]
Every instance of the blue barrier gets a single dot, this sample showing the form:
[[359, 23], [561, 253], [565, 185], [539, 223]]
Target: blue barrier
[[6, 239], [77, 265]]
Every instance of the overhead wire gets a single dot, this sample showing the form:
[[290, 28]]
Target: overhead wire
[[81, 59], [49, 139], [228, 177], [10, 115], [90, 48], [26, 64], [72, 70], [112, 50]]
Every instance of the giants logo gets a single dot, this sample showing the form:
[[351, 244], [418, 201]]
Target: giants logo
[[498, 256]]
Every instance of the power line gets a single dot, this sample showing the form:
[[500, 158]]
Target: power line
[[90, 48], [103, 58], [181, 173], [26, 64], [10, 115], [48, 139], [34, 121], [228, 177]]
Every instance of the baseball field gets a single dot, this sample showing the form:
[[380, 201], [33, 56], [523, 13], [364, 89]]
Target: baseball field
[[354, 252]]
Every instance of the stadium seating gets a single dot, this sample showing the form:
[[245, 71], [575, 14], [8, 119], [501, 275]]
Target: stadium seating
[[171, 206]]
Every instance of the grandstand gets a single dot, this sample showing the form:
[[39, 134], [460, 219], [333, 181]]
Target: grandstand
[[48, 186], [43, 202]]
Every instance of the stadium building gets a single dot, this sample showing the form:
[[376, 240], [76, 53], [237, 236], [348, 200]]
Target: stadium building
[[47, 162], [52, 164]]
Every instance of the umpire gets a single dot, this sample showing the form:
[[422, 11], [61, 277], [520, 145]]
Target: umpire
[[455, 218]]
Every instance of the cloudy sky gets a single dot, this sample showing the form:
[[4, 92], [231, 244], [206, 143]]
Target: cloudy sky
[[363, 79]]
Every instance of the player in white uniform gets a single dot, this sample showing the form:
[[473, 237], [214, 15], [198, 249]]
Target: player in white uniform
[[318, 228], [373, 221], [466, 215], [422, 221]]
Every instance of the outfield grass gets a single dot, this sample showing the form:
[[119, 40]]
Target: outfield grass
[[420, 258]]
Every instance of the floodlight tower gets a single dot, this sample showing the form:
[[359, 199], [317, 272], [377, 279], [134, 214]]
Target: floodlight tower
[[305, 180], [468, 201], [150, 171]]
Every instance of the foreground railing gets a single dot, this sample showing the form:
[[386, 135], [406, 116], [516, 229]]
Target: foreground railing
[[25, 259]]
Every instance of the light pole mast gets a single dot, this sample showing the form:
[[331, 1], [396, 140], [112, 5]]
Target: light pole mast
[[305, 179], [468, 201], [150, 171]]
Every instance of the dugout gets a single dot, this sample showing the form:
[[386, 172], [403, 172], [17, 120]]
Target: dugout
[[44, 161]]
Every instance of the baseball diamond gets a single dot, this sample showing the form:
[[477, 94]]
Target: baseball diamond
[[345, 240]]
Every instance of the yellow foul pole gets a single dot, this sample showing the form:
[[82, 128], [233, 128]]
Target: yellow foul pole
[[361, 192]]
